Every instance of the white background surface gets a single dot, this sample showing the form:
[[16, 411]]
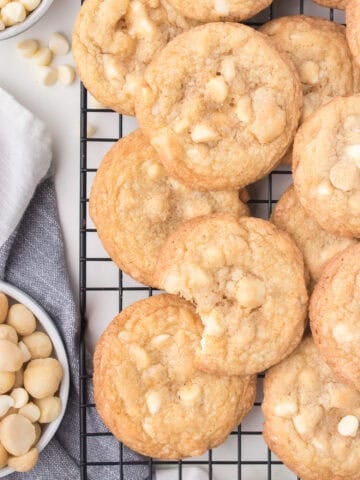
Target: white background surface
[[59, 107]]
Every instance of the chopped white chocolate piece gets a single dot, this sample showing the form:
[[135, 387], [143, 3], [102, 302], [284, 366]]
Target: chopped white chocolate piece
[[43, 57], [59, 44], [27, 48], [20, 397], [155, 170], [141, 25], [324, 189], [30, 5], [212, 324], [216, 89], [243, 109], [352, 152], [153, 402], [189, 394], [47, 76], [342, 333], [25, 352], [6, 402], [66, 74], [270, 118], [203, 133], [90, 130], [348, 426], [344, 176], [13, 13], [159, 339], [222, 7], [286, 409], [227, 69], [309, 72], [198, 278], [250, 292], [181, 125], [139, 356]]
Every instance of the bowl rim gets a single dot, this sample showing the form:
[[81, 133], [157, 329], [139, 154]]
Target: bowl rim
[[47, 323], [29, 21]]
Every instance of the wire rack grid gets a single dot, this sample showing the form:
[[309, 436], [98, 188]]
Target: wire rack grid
[[244, 456]]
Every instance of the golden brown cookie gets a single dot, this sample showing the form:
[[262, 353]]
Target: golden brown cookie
[[149, 391], [316, 244], [353, 27], [311, 419], [223, 10], [113, 41], [135, 205], [321, 56], [246, 279], [220, 120], [326, 166], [335, 316]]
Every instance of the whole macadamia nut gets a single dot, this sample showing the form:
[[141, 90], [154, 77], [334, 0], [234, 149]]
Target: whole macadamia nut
[[24, 463], [3, 456], [42, 377], [8, 333], [38, 433], [17, 434], [11, 358], [4, 307], [39, 345], [7, 381], [50, 408], [22, 319], [31, 412]]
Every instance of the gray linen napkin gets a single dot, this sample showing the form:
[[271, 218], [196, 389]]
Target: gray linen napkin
[[33, 260]]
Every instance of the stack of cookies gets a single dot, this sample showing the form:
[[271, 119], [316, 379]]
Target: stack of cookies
[[220, 105]]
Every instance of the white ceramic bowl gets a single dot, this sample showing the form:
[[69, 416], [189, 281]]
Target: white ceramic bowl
[[46, 324], [29, 21]]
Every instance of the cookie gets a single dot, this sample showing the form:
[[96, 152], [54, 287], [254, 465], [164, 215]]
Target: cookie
[[113, 41], [223, 10], [316, 244], [135, 205], [321, 55], [353, 28], [326, 166], [340, 4], [335, 316], [311, 419], [148, 390], [246, 279], [220, 120]]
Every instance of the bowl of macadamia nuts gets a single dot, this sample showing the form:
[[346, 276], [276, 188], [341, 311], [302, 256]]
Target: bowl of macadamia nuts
[[17, 16], [34, 380]]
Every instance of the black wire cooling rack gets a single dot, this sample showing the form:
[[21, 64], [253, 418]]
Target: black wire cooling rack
[[245, 456]]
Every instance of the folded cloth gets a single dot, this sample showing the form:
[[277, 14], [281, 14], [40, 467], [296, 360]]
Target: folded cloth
[[32, 258]]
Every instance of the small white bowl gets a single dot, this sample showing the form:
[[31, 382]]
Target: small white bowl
[[29, 21], [49, 429]]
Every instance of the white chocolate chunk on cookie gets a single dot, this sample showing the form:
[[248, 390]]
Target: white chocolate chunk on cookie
[[324, 189], [228, 68], [222, 7], [27, 48], [13, 13], [141, 25], [345, 176], [309, 72], [243, 109], [153, 401], [352, 152], [43, 57], [342, 333], [250, 292], [203, 133], [348, 426], [190, 394], [112, 69], [139, 356], [212, 324], [270, 118], [216, 89], [59, 44], [286, 409]]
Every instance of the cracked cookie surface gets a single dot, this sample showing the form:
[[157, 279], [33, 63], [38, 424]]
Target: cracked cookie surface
[[114, 40], [148, 390], [246, 279], [316, 244], [335, 315], [135, 205], [353, 27], [228, 111], [311, 419], [326, 166]]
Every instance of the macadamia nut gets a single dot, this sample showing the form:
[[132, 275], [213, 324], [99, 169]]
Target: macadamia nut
[[22, 319], [24, 463], [17, 434], [20, 397], [11, 358], [42, 377], [31, 412], [3, 457], [37, 433], [39, 345], [7, 381], [50, 408], [4, 307], [8, 333]]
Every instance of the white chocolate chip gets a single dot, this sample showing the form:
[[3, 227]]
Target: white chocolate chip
[[344, 176], [198, 278], [214, 256], [112, 69], [140, 357], [155, 170], [243, 109], [13, 13], [43, 57], [66, 74], [59, 44], [221, 7], [203, 133], [228, 69], [250, 292], [306, 421], [30, 5], [212, 324], [25, 352], [286, 409], [352, 152], [47, 76], [309, 72], [90, 130], [31, 411], [270, 118], [141, 25], [324, 189], [27, 48], [171, 283], [181, 125], [348, 426], [159, 339], [6, 402], [189, 394], [342, 333], [20, 397], [352, 123], [153, 402], [216, 89]]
